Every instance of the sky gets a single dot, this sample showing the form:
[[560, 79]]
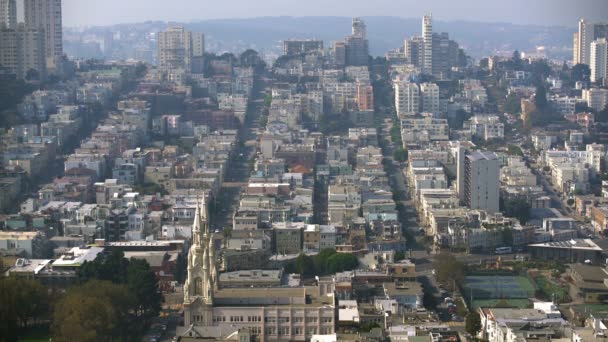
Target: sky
[[540, 12]]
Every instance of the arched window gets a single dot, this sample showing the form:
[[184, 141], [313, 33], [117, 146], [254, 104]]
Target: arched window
[[198, 286]]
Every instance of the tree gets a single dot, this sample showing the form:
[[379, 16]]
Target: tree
[[395, 133], [321, 259], [32, 75], [135, 274], [473, 323], [305, 265], [512, 104], [448, 269], [459, 118], [517, 63], [340, 262], [484, 63], [20, 301], [400, 154], [518, 208], [580, 72], [507, 236], [142, 283], [540, 98], [111, 267], [95, 311], [602, 116], [515, 150], [181, 265]]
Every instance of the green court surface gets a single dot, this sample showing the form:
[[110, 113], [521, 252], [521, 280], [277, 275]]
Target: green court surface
[[499, 303], [492, 290]]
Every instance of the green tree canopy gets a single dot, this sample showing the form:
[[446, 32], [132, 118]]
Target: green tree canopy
[[95, 311], [142, 283], [473, 323], [580, 72], [448, 270], [305, 265], [20, 301], [181, 265], [400, 154], [540, 98], [518, 208]]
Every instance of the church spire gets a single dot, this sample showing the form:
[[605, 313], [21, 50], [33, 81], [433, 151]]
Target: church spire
[[196, 225], [203, 218]]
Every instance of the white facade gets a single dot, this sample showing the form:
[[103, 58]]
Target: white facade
[[407, 98], [596, 98], [427, 36], [424, 129], [430, 97], [481, 181]]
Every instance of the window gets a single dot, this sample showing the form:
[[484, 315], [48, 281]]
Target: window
[[283, 330]]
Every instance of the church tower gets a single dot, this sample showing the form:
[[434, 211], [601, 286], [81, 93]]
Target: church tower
[[199, 286]]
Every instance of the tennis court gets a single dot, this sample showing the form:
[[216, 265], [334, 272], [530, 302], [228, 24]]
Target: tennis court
[[497, 287]]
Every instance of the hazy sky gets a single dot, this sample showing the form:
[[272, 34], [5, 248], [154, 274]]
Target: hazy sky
[[543, 12]]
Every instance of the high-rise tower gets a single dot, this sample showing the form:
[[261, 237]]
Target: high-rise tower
[[359, 28], [45, 15], [427, 49], [598, 60], [8, 14]]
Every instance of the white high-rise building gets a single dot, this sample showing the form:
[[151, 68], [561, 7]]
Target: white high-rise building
[[45, 15], [8, 14], [177, 48], [596, 98], [587, 33], [359, 28], [481, 171], [429, 92], [427, 36], [407, 98], [598, 61]]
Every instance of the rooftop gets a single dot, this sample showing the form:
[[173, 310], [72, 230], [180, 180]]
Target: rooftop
[[582, 244], [77, 256]]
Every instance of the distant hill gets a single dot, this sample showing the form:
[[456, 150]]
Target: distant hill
[[384, 33]]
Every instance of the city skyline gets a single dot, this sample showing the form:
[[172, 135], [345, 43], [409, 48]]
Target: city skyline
[[541, 12]]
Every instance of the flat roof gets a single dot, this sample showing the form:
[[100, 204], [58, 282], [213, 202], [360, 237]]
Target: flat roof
[[17, 235], [77, 256], [582, 244], [252, 276]]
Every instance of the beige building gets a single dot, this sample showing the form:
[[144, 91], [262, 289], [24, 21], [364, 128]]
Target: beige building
[[22, 49], [272, 313], [45, 15], [424, 129], [179, 49]]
